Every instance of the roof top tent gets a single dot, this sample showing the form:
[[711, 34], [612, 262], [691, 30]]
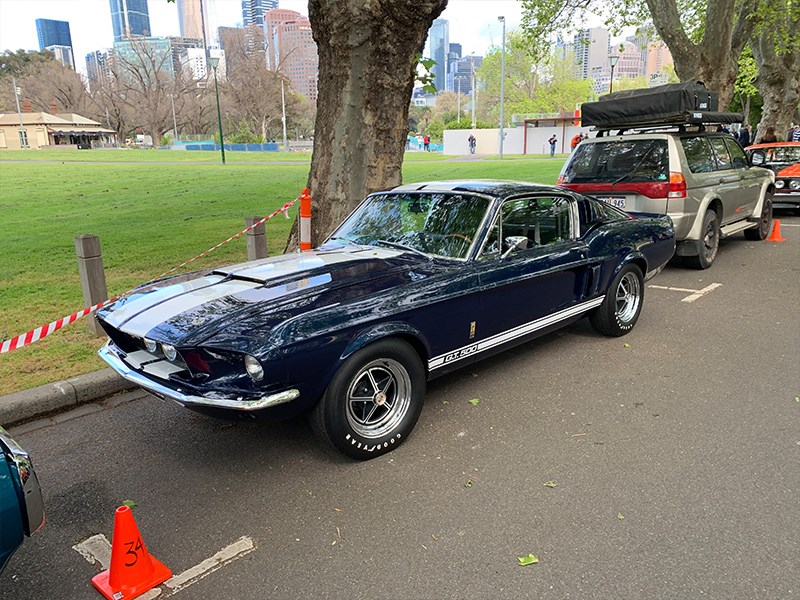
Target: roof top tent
[[670, 105]]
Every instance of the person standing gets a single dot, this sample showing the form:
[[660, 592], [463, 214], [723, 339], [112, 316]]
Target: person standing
[[576, 139], [472, 143], [769, 136], [744, 136], [552, 141], [426, 141]]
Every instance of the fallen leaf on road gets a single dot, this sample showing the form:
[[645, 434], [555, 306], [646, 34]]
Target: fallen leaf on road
[[550, 484], [129, 503], [620, 516], [468, 483], [475, 401], [531, 559], [626, 345]]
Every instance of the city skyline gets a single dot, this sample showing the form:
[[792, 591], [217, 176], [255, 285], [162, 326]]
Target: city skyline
[[468, 21]]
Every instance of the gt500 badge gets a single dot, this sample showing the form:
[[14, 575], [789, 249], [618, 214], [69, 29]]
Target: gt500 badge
[[461, 353]]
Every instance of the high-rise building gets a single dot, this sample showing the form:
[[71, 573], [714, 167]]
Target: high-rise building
[[292, 50], [463, 73], [55, 36], [98, 66], [453, 56], [193, 63], [129, 18], [591, 51], [193, 20], [253, 11], [439, 47], [658, 57], [151, 54]]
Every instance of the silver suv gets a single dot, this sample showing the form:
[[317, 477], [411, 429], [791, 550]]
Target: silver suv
[[702, 180]]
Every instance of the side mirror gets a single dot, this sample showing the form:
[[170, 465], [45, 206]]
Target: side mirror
[[514, 242], [758, 157]]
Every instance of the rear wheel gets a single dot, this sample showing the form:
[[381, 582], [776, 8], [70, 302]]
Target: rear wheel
[[373, 401], [622, 305], [764, 223], [709, 243]]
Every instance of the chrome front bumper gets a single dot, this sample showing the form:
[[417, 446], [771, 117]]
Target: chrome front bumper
[[110, 355]]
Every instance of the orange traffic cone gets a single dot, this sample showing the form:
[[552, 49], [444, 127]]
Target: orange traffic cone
[[776, 233], [133, 571]]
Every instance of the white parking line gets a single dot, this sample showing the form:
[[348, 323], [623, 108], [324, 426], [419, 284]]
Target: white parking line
[[97, 550], [694, 294]]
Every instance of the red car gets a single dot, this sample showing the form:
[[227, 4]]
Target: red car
[[784, 159]]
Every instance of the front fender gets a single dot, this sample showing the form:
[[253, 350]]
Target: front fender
[[384, 330]]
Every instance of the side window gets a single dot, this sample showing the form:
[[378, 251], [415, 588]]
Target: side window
[[543, 221], [737, 154], [698, 154], [721, 152]]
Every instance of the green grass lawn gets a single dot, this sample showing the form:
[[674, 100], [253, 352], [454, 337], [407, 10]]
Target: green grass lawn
[[150, 217]]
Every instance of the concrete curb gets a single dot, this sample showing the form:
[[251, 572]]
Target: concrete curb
[[57, 397]]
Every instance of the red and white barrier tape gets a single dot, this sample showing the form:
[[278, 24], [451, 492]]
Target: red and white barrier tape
[[283, 209], [34, 335]]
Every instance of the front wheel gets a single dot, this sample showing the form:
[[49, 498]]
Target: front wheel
[[373, 401], [764, 223], [622, 305]]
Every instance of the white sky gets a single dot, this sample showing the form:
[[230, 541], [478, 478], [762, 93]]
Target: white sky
[[473, 23]]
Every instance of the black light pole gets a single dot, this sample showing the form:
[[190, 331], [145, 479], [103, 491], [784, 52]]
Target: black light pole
[[612, 60], [214, 62]]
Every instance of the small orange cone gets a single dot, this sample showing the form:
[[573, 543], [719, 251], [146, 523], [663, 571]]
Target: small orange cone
[[133, 571], [776, 233]]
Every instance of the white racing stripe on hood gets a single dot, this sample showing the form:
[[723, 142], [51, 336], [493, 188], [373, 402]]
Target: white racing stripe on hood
[[143, 301], [142, 323]]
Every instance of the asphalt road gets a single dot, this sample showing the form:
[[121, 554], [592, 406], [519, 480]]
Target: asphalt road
[[675, 452]]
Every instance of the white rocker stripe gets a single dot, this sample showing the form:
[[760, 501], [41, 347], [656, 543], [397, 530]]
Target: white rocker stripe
[[512, 334]]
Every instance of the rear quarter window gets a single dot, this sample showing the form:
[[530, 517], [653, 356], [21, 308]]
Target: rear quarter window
[[698, 154], [630, 160]]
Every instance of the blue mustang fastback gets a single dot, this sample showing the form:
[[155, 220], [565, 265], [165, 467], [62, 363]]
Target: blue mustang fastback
[[416, 282]]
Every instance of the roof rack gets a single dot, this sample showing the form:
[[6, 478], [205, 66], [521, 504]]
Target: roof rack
[[664, 127]]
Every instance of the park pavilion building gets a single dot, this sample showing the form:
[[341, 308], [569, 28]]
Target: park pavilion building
[[45, 130]]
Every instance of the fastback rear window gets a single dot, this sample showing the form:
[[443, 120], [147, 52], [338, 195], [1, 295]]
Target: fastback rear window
[[619, 160]]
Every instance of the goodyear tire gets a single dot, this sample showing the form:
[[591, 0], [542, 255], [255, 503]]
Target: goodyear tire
[[373, 401], [622, 305]]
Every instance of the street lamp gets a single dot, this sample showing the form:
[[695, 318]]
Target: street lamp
[[214, 62], [612, 60], [23, 136], [502, 83], [474, 94]]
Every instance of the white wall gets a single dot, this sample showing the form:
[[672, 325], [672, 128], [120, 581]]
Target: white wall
[[488, 140]]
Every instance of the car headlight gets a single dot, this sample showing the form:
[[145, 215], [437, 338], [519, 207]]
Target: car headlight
[[169, 351], [150, 345], [779, 184], [794, 184], [253, 368]]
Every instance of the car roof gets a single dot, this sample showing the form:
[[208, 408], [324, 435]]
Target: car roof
[[772, 145], [479, 186]]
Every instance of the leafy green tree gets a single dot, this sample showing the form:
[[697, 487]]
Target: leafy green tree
[[22, 62]]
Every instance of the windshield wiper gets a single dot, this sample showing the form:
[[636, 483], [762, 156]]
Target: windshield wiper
[[638, 166], [401, 247]]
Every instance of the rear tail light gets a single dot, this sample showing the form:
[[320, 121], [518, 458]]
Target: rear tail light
[[677, 185], [560, 180]]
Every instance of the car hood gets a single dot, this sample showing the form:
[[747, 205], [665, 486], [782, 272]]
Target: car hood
[[790, 171], [250, 297]]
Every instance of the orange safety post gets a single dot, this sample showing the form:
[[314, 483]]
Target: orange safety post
[[305, 220]]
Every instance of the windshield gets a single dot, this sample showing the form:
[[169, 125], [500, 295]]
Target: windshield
[[621, 160], [783, 155], [443, 225]]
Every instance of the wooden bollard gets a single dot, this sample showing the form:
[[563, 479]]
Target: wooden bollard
[[256, 239], [93, 277]]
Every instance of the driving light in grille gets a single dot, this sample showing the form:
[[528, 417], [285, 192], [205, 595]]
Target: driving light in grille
[[794, 184], [150, 345], [169, 352], [780, 183], [253, 368]]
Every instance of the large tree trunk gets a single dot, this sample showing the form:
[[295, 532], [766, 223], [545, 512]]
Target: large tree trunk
[[714, 60], [367, 52], [778, 82]]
